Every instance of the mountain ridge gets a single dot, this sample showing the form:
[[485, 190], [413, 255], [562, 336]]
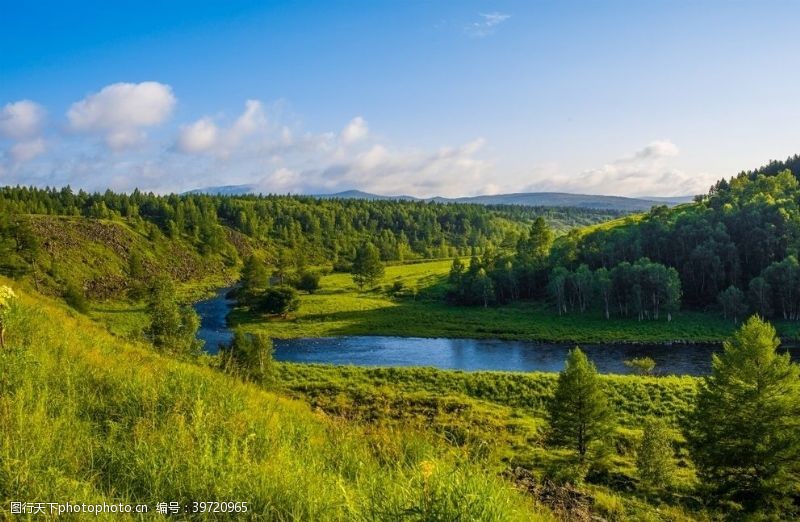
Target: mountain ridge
[[534, 199]]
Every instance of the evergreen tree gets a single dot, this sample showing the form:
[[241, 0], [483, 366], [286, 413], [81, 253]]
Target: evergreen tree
[[255, 277], [744, 433], [367, 267], [654, 455], [579, 414]]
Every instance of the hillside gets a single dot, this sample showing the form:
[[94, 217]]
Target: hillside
[[145, 428]]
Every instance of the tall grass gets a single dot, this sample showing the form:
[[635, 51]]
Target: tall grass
[[85, 417]]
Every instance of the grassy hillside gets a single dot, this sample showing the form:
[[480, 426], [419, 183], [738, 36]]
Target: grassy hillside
[[94, 255], [89, 418], [500, 417]]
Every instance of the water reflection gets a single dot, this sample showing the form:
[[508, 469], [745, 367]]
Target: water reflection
[[488, 354], [457, 354]]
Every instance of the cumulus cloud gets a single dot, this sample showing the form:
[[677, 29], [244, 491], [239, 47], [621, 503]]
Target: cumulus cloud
[[200, 136], [446, 172], [486, 25], [355, 131], [205, 136], [645, 172], [121, 111], [22, 119], [27, 150]]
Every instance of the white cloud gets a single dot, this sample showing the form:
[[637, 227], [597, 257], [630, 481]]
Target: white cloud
[[450, 171], [645, 172], [355, 131], [487, 24], [200, 136], [22, 119], [27, 150], [121, 112], [658, 149], [205, 136]]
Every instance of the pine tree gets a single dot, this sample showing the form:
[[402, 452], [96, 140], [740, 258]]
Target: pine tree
[[367, 266], [579, 412], [254, 275], [744, 433]]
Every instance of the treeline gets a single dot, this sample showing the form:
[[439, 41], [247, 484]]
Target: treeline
[[643, 289], [735, 248], [321, 230]]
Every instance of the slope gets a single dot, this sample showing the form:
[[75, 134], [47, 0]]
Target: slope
[[89, 418]]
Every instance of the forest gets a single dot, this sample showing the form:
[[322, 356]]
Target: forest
[[734, 250]]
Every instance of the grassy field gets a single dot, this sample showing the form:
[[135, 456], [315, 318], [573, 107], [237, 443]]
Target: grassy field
[[87, 417], [340, 309], [500, 417]]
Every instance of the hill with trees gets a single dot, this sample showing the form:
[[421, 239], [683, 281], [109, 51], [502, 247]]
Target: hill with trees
[[734, 250]]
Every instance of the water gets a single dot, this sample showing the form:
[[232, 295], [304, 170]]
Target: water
[[213, 314], [460, 354]]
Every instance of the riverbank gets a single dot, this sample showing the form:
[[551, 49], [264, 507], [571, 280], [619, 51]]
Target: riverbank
[[339, 309]]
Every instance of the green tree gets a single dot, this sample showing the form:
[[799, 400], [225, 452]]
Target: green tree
[[308, 281], [254, 275], [482, 288], [744, 432], [367, 266], [579, 414], [172, 327], [642, 365], [534, 249], [732, 302], [602, 281], [251, 356], [760, 296], [654, 455], [278, 300]]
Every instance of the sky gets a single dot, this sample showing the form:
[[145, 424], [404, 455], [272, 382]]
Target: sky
[[424, 98]]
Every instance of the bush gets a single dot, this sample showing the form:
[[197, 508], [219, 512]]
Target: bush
[[308, 282], [279, 300], [75, 297], [250, 356]]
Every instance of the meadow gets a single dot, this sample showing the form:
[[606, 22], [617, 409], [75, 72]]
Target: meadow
[[87, 417], [417, 309]]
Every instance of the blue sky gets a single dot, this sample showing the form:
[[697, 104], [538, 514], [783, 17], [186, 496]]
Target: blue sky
[[424, 98]]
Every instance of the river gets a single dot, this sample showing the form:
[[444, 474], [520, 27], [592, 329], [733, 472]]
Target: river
[[459, 354]]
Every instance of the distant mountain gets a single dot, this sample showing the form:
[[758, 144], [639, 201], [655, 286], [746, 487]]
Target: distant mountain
[[563, 199], [358, 194], [531, 199], [225, 190], [535, 199]]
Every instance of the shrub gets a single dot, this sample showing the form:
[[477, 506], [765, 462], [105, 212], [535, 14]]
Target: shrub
[[279, 300], [308, 281], [75, 297]]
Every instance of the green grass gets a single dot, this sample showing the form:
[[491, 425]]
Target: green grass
[[500, 417], [340, 309], [88, 417]]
